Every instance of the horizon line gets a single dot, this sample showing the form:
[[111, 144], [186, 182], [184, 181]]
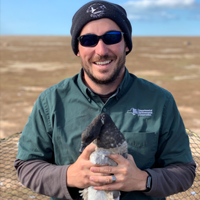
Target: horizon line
[[52, 35]]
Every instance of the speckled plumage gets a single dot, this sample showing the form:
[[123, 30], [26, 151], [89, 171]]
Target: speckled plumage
[[108, 139], [103, 132]]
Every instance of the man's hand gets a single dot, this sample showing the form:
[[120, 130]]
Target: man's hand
[[78, 174], [128, 176]]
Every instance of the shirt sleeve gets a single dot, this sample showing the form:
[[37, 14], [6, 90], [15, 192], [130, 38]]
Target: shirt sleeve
[[174, 168], [173, 145], [41, 176], [171, 179], [36, 139]]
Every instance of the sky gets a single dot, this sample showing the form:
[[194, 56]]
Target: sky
[[54, 17]]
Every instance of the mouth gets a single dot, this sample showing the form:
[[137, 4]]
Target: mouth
[[103, 62]]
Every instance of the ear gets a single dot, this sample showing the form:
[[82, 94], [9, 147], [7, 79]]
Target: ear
[[78, 54], [127, 49]]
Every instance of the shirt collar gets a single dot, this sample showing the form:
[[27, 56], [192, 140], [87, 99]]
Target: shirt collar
[[123, 87]]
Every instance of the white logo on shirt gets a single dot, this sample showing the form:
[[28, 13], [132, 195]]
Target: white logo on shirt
[[140, 112]]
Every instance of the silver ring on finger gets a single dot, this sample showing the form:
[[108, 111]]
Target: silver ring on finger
[[113, 179]]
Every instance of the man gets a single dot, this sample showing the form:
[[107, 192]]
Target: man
[[159, 161]]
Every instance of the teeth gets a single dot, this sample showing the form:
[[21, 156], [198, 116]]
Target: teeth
[[103, 63]]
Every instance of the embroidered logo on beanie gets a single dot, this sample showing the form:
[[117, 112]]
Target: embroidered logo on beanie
[[96, 10]]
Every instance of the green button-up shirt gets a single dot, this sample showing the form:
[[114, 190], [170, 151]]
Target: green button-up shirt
[[145, 113]]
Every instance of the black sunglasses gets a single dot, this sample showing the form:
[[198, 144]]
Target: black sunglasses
[[91, 40]]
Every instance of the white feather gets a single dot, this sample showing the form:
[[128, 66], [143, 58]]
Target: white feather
[[96, 194], [91, 194], [99, 156]]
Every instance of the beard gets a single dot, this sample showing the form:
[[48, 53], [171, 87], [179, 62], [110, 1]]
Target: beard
[[116, 73]]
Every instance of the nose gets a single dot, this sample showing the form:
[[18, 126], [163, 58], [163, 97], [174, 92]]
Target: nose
[[101, 48]]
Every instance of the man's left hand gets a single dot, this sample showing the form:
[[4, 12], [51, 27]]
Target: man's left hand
[[128, 176]]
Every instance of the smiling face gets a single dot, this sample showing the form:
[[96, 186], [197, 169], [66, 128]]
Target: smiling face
[[103, 64]]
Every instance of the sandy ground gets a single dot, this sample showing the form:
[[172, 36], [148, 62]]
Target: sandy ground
[[29, 65]]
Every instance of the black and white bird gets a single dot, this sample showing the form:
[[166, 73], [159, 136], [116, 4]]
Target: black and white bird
[[108, 139]]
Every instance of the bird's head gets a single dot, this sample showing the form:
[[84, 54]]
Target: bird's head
[[92, 131]]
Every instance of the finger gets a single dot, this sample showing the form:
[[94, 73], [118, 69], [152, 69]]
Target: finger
[[87, 151], [108, 187], [96, 180], [102, 179], [92, 183], [104, 170], [130, 157], [98, 174], [117, 158]]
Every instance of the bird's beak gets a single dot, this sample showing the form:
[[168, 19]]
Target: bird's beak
[[82, 148]]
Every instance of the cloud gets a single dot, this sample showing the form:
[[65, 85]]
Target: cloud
[[159, 9], [161, 4], [196, 17]]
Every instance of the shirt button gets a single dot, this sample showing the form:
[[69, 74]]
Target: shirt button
[[104, 109]]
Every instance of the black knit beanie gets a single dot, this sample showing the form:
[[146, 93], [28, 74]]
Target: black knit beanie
[[96, 10]]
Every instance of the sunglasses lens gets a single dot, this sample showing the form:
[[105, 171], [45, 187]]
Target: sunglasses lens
[[109, 38], [88, 40], [112, 37]]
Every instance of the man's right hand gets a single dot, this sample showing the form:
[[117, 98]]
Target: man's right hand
[[78, 174]]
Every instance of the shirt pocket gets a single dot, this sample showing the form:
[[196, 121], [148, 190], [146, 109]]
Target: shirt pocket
[[142, 146]]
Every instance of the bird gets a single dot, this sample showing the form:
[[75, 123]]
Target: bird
[[108, 139]]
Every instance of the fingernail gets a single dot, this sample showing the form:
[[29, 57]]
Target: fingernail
[[92, 169]]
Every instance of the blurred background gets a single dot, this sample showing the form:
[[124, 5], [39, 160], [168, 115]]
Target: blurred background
[[148, 17], [35, 52]]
